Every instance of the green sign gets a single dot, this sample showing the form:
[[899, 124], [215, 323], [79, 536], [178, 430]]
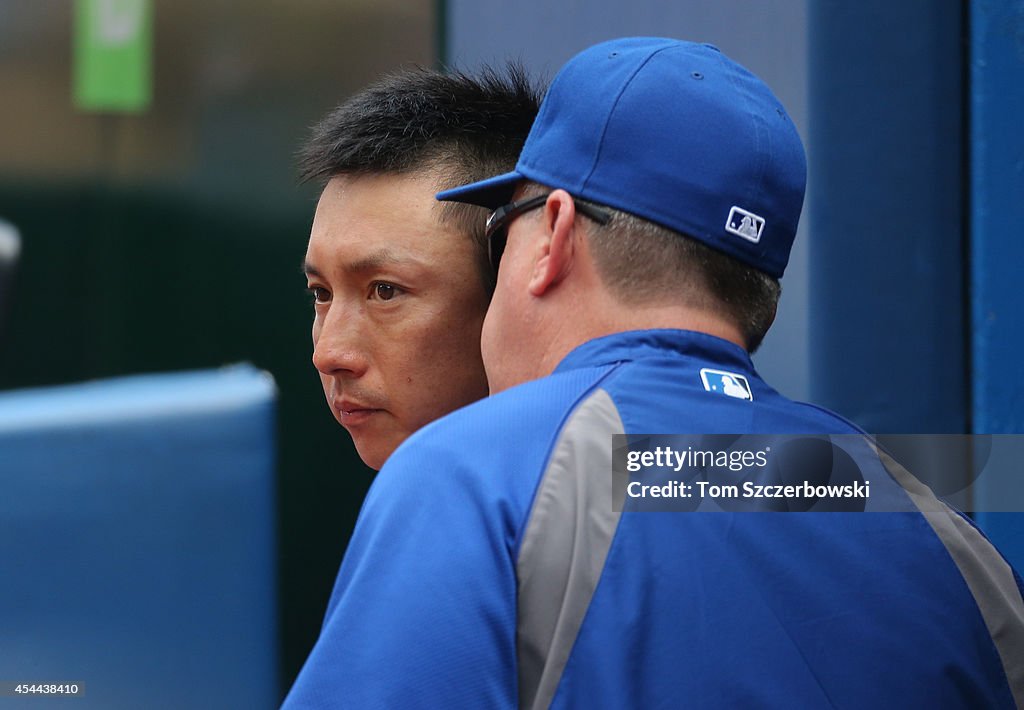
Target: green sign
[[113, 55]]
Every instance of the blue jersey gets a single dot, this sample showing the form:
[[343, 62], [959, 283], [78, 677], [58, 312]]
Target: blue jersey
[[490, 569]]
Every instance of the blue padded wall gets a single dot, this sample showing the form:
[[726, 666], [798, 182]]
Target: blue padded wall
[[997, 249], [137, 540]]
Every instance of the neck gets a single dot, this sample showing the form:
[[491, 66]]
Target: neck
[[566, 329]]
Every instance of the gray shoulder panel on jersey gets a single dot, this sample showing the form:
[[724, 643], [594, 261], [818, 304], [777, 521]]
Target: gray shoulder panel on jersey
[[987, 574], [565, 543]]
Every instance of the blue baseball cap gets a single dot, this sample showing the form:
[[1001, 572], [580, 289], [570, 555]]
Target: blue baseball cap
[[673, 132]]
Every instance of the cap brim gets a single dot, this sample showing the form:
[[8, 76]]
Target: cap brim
[[491, 193]]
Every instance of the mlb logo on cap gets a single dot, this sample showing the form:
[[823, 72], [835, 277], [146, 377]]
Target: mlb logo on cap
[[731, 384], [745, 224]]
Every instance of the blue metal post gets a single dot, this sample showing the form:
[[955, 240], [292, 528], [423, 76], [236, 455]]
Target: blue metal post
[[887, 342]]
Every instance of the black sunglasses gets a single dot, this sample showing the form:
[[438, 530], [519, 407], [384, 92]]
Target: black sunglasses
[[496, 231]]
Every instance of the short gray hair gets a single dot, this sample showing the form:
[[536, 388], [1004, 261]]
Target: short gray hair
[[643, 263]]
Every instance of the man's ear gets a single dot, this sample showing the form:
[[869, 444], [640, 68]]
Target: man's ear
[[555, 251]]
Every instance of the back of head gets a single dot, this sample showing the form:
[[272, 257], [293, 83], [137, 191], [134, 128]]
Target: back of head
[[677, 135]]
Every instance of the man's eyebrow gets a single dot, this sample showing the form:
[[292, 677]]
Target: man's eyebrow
[[309, 270], [378, 259], [371, 262]]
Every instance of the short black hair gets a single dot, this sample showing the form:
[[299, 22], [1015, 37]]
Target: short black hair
[[461, 127], [422, 117]]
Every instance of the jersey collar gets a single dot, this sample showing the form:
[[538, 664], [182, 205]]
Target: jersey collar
[[643, 344]]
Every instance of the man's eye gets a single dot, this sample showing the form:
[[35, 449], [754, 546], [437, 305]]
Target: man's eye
[[320, 294], [384, 291]]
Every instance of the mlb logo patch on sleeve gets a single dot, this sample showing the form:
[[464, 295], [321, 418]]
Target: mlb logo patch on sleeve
[[745, 224], [731, 384]]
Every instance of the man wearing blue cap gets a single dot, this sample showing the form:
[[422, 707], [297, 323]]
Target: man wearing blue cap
[[640, 240]]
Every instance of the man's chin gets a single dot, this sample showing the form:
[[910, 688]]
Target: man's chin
[[373, 459], [374, 450]]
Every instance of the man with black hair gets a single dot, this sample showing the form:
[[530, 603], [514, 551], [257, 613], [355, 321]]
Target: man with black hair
[[504, 559], [400, 284]]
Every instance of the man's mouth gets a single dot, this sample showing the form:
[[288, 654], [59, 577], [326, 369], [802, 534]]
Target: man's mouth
[[352, 413]]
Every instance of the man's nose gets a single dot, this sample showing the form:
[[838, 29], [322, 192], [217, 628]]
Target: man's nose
[[339, 344]]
